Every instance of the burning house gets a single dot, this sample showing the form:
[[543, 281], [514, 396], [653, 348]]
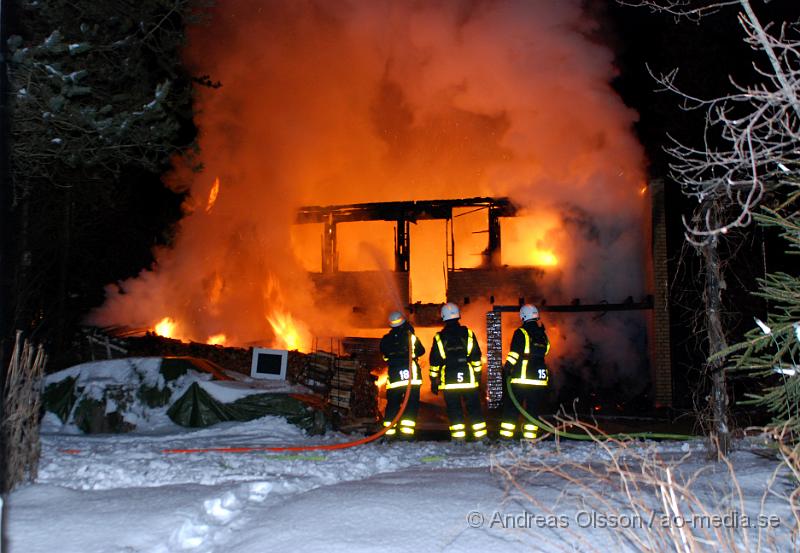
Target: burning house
[[376, 293], [367, 156], [368, 288]]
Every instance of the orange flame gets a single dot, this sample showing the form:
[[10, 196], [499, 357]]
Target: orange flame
[[542, 258], [532, 240], [291, 335], [212, 196], [217, 340], [165, 327], [381, 380], [215, 293]]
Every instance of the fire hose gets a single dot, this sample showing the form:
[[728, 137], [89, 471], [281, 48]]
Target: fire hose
[[572, 436], [377, 435]]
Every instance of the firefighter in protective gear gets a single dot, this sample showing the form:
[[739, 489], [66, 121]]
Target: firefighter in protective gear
[[401, 349], [527, 372], [455, 368]]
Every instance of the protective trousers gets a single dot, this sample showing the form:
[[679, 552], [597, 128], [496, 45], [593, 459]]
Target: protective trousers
[[408, 422], [470, 398], [529, 397]]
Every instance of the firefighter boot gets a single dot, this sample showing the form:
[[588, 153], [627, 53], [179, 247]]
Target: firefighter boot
[[407, 429], [507, 430], [530, 431], [479, 431]]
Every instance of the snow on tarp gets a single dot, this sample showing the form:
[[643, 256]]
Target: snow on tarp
[[122, 394], [198, 407], [113, 395], [228, 392]]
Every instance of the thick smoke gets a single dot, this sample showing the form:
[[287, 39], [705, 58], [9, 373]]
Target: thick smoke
[[334, 102]]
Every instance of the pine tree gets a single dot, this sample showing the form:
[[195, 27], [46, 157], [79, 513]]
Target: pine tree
[[97, 87], [770, 351], [100, 105], [750, 150]]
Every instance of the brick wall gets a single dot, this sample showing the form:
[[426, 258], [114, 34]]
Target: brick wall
[[661, 353], [494, 359]]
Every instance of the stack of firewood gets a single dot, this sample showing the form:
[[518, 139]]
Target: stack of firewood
[[234, 359], [365, 394], [366, 350], [295, 365], [316, 372], [344, 381]]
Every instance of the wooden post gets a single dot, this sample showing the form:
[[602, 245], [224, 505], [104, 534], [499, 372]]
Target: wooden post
[[493, 253], [402, 247], [330, 263]]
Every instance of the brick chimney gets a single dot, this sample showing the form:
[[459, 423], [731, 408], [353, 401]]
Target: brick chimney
[[661, 353]]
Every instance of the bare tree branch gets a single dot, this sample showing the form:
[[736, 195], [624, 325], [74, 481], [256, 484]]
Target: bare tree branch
[[751, 142], [681, 9]]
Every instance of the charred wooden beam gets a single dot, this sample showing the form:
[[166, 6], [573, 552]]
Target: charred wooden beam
[[402, 247], [493, 254], [577, 307], [411, 211], [330, 256]]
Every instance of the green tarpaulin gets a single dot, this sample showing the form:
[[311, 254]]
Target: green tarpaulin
[[60, 397], [197, 408], [106, 396]]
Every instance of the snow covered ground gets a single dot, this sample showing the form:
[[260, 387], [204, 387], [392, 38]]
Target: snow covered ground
[[122, 493]]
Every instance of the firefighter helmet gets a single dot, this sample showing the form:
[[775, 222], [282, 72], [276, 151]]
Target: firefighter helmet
[[528, 312], [396, 318], [450, 311]]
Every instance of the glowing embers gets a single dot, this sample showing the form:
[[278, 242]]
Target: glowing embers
[[289, 334], [212, 195]]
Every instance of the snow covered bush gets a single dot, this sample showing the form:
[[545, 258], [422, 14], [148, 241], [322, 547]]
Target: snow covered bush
[[100, 105]]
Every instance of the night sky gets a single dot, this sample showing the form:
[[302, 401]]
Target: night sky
[[708, 55]]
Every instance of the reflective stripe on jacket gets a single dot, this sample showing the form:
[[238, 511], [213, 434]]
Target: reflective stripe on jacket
[[395, 347], [529, 346], [455, 357]]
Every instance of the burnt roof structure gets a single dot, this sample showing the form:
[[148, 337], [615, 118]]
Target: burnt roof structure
[[404, 213], [414, 210]]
